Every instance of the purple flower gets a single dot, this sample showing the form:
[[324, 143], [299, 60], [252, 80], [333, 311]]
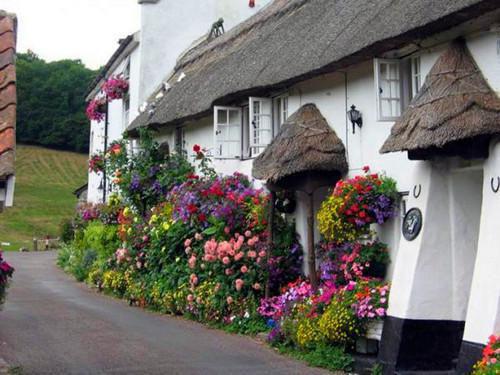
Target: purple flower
[[135, 183]]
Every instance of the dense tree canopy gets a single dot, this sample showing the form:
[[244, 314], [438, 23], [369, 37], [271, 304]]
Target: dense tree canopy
[[51, 102]]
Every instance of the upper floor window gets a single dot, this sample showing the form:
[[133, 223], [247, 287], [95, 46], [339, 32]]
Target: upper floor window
[[416, 80], [396, 82], [261, 124], [227, 127], [180, 141]]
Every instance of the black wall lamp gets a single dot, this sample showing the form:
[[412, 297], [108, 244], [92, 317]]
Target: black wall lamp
[[355, 117]]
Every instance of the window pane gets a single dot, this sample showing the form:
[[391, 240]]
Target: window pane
[[234, 117], [222, 116]]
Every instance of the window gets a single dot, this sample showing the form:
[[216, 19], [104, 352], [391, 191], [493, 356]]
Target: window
[[282, 108], [261, 124], [180, 142], [396, 82], [227, 126], [388, 85], [415, 76]]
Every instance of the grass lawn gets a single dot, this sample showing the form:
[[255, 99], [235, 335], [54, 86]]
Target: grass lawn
[[45, 180]]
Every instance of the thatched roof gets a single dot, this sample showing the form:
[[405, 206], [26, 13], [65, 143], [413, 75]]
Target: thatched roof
[[455, 104], [292, 40], [305, 143], [8, 25]]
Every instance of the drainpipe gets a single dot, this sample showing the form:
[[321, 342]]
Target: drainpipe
[[104, 177]]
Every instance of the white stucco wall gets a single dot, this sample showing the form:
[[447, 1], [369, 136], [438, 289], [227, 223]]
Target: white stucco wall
[[169, 27]]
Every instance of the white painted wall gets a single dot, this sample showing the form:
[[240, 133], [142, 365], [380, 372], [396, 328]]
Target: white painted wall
[[169, 27], [483, 313]]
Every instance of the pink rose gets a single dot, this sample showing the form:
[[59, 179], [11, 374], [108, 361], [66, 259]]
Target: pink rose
[[229, 300], [193, 279], [244, 269], [190, 298], [239, 284], [227, 230], [187, 243], [228, 271], [256, 286], [187, 250], [192, 262], [198, 237], [262, 253], [226, 260], [252, 254], [248, 234], [238, 256]]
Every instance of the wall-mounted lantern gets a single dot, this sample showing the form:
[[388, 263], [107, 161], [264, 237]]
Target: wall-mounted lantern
[[251, 3], [355, 117]]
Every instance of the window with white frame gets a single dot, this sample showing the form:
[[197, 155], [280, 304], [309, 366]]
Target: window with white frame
[[180, 141], [227, 127], [282, 109], [416, 80], [389, 88], [396, 82], [261, 124]]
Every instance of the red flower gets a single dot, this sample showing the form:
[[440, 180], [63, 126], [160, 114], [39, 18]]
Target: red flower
[[366, 168], [202, 217], [196, 148], [192, 208]]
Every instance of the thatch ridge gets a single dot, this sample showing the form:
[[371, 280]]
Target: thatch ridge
[[454, 104], [305, 143], [290, 41]]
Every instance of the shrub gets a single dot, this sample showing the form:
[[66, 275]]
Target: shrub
[[66, 231]]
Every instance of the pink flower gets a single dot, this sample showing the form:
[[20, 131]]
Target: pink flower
[[239, 255], [227, 230], [229, 300], [262, 253], [198, 237], [248, 234], [226, 260], [190, 298], [192, 262], [239, 284], [244, 269], [380, 311], [351, 285], [256, 286], [252, 254], [187, 243], [187, 250], [228, 271]]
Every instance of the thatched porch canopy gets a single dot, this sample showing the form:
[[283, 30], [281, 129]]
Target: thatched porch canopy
[[305, 144], [455, 113]]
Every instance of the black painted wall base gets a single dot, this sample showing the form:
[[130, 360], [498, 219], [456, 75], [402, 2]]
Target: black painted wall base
[[420, 345], [470, 353]]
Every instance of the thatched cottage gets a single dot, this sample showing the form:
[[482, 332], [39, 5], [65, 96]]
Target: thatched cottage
[[307, 91], [8, 24]]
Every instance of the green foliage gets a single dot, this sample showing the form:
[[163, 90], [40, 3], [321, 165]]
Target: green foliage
[[333, 358], [377, 369], [102, 239], [51, 102], [66, 233]]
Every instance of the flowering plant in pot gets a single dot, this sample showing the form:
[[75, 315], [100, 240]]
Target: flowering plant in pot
[[96, 163], [96, 109], [356, 203], [115, 87]]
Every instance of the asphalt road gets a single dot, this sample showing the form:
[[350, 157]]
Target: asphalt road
[[51, 324]]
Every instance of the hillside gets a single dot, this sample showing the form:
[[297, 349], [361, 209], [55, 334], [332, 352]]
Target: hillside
[[45, 180]]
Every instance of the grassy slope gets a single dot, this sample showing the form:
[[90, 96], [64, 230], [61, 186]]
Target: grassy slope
[[45, 180]]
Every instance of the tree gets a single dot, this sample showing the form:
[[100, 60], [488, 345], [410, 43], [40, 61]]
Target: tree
[[51, 102]]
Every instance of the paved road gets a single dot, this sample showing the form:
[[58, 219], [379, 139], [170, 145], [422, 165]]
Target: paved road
[[52, 325]]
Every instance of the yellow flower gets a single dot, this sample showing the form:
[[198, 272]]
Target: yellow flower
[[166, 225]]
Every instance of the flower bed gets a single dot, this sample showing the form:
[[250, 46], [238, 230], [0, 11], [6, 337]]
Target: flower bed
[[490, 363]]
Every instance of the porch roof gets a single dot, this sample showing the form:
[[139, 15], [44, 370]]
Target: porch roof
[[292, 40], [455, 104], [8, 23], [305, 143]]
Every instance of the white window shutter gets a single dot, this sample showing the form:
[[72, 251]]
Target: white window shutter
[[227, 128], [261, 123]]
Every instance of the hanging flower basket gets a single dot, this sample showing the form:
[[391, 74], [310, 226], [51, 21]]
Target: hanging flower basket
[[115, 87], [96, 163], [355, 204], [96, 109], [6, 272]]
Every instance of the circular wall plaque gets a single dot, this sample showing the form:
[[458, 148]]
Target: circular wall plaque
[[412, 224]]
